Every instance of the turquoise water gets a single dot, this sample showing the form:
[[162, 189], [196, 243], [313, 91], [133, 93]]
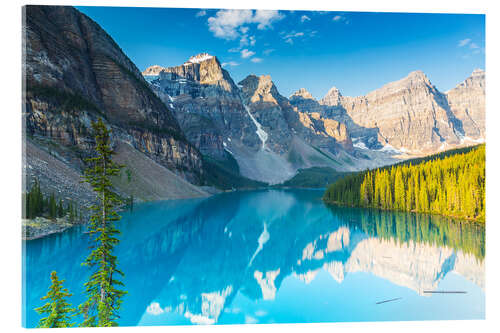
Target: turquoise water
[[274, 256]]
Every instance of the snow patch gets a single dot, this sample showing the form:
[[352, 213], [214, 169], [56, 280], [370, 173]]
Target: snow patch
[[360, 145], [199, 58], [389, 148], [266, 283], [260, 132], [263, 238]]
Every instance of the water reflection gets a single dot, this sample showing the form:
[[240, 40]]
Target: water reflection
[[203, 260]]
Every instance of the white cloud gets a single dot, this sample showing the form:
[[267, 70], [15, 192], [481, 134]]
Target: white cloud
[[265, 18], [245, 53], [268, 51], [473, 46], [244, 40], [256, 60], [340, 18], [252, 40], [305, 18], [201, 13], [230, 64], [289, 37], [464, 42], [226, 22]]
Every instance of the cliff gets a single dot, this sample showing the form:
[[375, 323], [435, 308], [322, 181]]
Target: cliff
[[75, 73]]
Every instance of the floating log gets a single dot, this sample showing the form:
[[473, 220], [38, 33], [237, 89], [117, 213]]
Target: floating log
[[389, 300], [443, 292]]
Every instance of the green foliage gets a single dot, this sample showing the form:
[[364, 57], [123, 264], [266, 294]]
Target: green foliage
[[103, 296], [36, 204], [451, 183], [58, 310], [314, 177], [225, 174]]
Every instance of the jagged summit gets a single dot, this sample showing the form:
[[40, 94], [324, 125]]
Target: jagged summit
[[332, 98], [416, 77], [259, 88], [153, 70], [477, 72], [302, 93]]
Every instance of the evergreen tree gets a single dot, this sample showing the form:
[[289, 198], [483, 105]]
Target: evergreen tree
[[52, 207], [450, 183], [60, 209], [103, 296], [58, 310]]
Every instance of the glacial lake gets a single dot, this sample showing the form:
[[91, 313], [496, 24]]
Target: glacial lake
[[274, 256]]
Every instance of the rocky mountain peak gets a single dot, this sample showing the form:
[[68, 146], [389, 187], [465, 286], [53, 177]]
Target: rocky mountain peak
[[415, 78], [478, 72], [332, 98], [153, 70], [202, 68], [259, 88], [302, 93]]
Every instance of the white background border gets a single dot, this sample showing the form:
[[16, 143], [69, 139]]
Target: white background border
[[10, 145]]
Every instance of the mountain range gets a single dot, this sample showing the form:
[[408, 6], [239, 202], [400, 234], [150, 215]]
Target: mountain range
[[194, 129], [265, 131]]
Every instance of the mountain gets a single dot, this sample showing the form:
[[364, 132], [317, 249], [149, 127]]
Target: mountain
[[252, 123], [467, 102], [207, 105], [195, 126], [74, 73], [412, 115]]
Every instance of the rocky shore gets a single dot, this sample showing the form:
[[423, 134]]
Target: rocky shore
[[40, 227]]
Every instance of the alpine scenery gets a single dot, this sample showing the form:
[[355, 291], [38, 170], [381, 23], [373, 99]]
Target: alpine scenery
[[206, 166]]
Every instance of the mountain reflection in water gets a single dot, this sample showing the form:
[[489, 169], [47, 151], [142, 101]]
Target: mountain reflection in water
[[275, 256]]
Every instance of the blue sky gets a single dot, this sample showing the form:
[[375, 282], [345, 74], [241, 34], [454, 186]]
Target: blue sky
[[356, 52]]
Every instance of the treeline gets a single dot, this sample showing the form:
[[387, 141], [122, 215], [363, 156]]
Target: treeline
[[37, 204], [453, 185]]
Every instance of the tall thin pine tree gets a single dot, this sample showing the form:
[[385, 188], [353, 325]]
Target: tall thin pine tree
[[103, 296]]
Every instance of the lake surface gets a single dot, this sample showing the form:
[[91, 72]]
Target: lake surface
[[274, 256]]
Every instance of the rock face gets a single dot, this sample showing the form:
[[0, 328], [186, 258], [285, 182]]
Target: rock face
[[252, 122], [321, 127], [207, 105], [269, 109], [152, 70], [329, 118], [74, 73], [411, 115], [467, 102]]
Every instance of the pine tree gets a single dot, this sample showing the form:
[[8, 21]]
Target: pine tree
[[103, 297], [60, 209], [451, 183], [52, 207], [58, 310]]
